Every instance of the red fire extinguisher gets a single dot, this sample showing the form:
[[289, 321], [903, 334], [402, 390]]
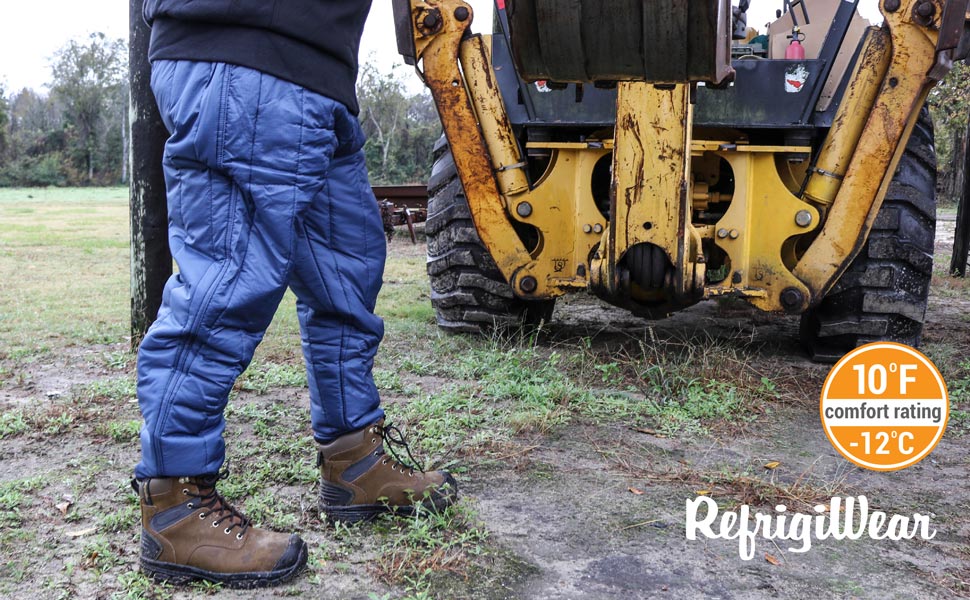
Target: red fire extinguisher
[[795, 50]]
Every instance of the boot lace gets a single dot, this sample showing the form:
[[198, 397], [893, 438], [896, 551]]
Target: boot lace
[[212, 503], [394, 437]]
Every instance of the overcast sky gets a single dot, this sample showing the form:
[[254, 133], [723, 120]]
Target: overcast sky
[[31, 31]]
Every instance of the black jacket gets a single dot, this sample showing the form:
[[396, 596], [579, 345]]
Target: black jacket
[[313, 43]]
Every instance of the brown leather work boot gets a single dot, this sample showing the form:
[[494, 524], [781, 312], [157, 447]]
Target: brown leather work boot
[[359, 481], [189, 532]]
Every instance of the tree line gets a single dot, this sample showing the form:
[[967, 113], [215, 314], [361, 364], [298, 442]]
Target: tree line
[[76, 134]]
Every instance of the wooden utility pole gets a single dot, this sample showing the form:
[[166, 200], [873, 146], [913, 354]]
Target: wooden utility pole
[[961, 238], [151, 261]]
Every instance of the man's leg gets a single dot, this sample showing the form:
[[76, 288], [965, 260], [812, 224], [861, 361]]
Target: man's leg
[[246, 153], [337, 276]]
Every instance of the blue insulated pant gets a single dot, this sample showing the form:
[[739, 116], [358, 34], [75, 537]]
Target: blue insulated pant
[[267, 189]]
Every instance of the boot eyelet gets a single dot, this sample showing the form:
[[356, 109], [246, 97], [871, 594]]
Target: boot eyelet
[[201, 515], [238, 536], [227, 531], [190, 505], [215, 523], [185, 492], [383, 462], [373, 440]]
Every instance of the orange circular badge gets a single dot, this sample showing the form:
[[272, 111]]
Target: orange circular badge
[[884, 406]]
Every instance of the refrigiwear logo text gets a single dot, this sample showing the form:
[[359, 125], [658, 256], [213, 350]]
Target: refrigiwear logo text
[[841, 519]]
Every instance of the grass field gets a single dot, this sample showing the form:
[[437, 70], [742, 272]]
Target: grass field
[[575, 445]]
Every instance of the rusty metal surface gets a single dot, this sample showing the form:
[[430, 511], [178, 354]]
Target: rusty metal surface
[[395, 216], [666, 41], [410, 195], [507, 160], [438, 48], [913, 65], [650, 203]]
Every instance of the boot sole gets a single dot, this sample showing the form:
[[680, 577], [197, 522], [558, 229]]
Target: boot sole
[[356, 513], [183, 574]]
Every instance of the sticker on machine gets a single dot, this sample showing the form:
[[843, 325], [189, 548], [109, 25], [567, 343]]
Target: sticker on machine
[[795, 78]]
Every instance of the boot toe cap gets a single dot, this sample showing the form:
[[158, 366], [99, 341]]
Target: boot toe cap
[[294, 557]]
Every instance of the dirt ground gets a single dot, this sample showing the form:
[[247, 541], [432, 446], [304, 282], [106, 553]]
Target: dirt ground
[[580, 511], [585, 538]]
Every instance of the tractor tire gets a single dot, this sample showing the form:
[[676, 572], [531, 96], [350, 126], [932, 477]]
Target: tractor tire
[[468, 292], [882, 295]]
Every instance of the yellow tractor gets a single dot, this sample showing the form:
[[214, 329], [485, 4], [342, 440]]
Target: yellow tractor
[[655, 153]]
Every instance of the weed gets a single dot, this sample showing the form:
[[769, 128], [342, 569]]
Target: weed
[[11, 501], [434, 544], [120, 520], [391, 381], [123, 432], [611, 372], [12, 423], [118, 360], [266, 508], [138, 586], [113, 390], [59, 423], [206, 587], [262, 377], [687, 388], [101, 555]]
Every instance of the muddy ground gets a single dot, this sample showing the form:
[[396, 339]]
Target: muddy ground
[[579, 511]]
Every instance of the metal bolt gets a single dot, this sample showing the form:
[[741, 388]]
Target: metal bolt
[[926, 9], [722, 233], [529, 284], [736, 277], [734, 234], [431, 20], [893, 82], [587, 228], [524, 209], [803, 218], [461, 13], [597, 228], [791, 299], [892, 5]]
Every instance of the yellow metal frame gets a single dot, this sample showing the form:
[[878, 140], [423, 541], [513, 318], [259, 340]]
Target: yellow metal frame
[[651, 200], [913, 55], [652, 174], [755, 231]]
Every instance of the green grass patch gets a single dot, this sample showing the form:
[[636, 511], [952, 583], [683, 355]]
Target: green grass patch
[[13, 423], [72, 274], [262, 377], [422, 554]]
